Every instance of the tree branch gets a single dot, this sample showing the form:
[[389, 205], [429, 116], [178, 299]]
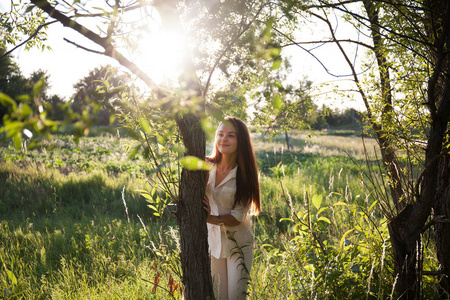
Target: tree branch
[[230, 44], [434, 221], [105, 43], [82, 47], [327, 42], [28, 39], [341, 7], [124, 8]]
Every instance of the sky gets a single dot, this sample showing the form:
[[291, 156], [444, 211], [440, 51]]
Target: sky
[[67, 64]]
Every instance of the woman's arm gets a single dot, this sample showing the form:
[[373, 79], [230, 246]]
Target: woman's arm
[[227, 220]]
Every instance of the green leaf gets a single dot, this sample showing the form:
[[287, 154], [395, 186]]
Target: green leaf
[[208, 127], [7, 101], [134, 151], [286, 219], [29, 8], [12, 128], [373, 205], [322, 210], [276, 64], [145, 126], [317, 201], [147, 196], [341, 242], [37, 88], [277, 101], [26, 110], [324, 219], [132, 134], [12, 277], [17, 141], [152, 207], [340, 204], [194, 163]]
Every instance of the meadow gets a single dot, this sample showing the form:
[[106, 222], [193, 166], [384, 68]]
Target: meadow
[[84, 221]]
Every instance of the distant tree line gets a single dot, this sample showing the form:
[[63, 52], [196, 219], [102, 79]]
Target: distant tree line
[[335, 117], [98, 93]]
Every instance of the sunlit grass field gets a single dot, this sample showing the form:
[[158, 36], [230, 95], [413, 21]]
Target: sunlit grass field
[[74, 223]]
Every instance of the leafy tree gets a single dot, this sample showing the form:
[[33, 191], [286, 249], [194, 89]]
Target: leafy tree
[[232, 26], [406, 101], [337, 117], [12, 82], [17, 86], [284, 106], [55, 106], [100, 91]]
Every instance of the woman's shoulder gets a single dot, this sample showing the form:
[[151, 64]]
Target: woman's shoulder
[[211, 163]]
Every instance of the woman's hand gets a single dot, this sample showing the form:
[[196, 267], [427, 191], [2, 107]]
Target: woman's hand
[[206, 207]]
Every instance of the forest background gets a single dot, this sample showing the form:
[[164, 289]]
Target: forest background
[[370, 224]]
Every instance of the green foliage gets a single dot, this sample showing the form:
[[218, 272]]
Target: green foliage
[[98, 94], [194, 163], [20, 22], [283, 107]]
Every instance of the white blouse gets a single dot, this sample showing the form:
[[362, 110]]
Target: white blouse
[[221, 201]]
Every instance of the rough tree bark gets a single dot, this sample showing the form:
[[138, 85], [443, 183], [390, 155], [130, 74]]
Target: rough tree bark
[[439, 92], [195, 262], [442, 229], [438, 30]]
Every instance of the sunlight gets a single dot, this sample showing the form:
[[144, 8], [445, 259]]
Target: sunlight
[[161, 56]]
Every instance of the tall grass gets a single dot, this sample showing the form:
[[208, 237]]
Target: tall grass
[[67, 236], [68, 231]]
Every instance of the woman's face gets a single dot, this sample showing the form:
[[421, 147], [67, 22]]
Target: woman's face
[[226, 139]]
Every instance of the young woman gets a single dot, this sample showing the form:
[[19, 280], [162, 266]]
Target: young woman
[[232, 194]]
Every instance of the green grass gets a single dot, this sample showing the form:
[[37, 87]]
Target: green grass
[[72, 230]]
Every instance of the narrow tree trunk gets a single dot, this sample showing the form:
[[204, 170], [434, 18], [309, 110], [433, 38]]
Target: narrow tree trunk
[[191, 217], [439, 98], [442, 229], [195, 261], [386, 145], [288, 140]]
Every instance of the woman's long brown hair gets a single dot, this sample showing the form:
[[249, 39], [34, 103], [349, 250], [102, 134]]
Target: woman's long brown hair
[[247, 182]]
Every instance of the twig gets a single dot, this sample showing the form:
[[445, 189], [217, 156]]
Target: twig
[[437, 219], [28, 39], [157, 285], [84, 48]]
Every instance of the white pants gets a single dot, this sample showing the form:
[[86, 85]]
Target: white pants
[[229, 276]]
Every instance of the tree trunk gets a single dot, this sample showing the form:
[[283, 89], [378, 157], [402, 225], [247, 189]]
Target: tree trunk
[[405, 240], [288, 140], [191, 217], [439, 97], [442, 229], [195, 261], [406, 228]]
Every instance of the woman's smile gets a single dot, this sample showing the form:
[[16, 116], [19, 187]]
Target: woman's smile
[[227, 139]]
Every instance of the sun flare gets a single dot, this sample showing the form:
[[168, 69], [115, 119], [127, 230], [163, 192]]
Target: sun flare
[[161, 55]]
